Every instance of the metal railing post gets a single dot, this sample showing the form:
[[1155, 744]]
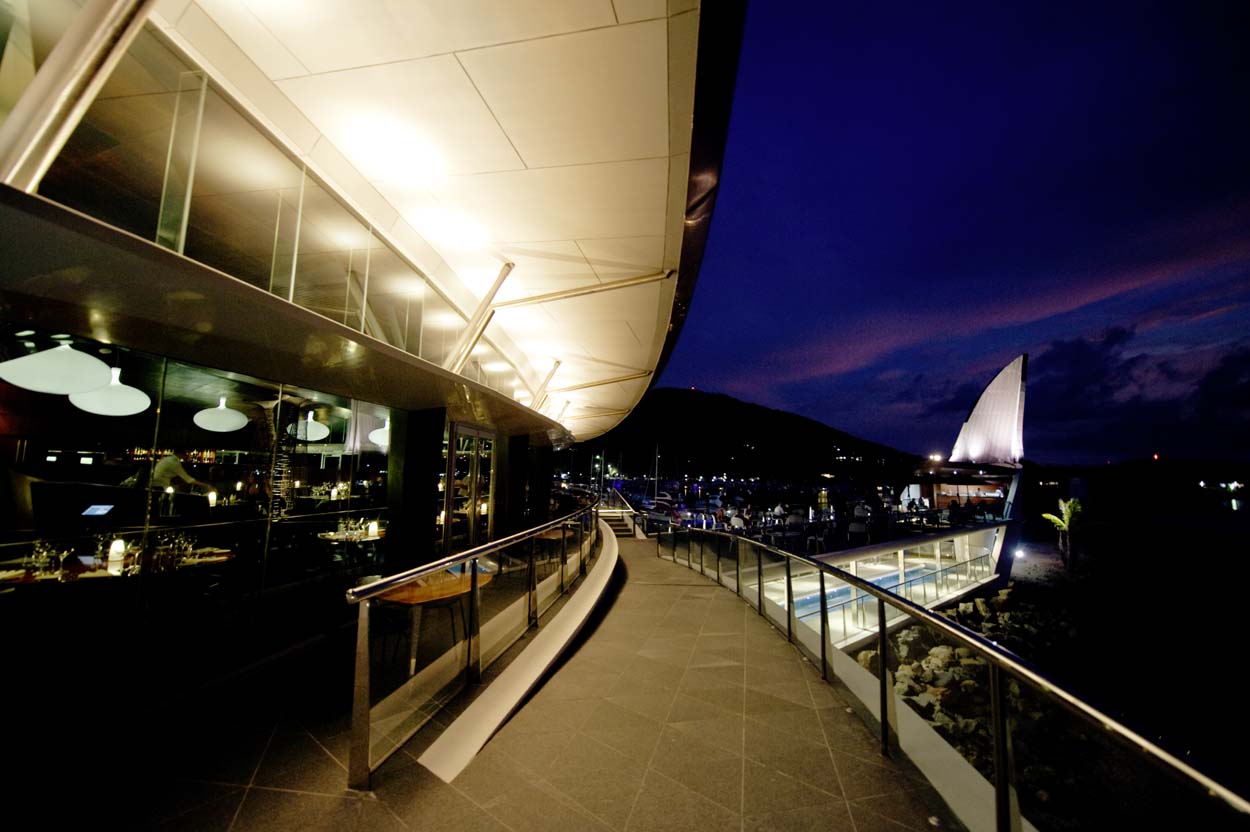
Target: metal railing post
[[581, 544], [789, 603], [716, 549], [531, 589], [1006, 808], [564, 556], [736, 548], [702, 554], [882, 647], [824, 630], [358, 754], [759, 577], [473, 636]]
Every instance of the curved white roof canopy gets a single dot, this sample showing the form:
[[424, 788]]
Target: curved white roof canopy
[[993, 433], [553, 134]]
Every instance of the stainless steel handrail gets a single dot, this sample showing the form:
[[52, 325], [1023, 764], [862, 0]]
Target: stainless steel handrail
[[357, 594], [621, 497], [1003, 659], [360, 765]]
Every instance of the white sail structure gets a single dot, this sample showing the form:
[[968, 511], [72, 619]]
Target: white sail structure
[[993, 433]]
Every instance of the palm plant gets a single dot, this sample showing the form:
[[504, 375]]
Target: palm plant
[[1069, 511]]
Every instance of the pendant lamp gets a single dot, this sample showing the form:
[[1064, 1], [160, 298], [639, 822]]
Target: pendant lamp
[[220, 419], [113, 399], [60, 370], [309, 430], [381, 436]]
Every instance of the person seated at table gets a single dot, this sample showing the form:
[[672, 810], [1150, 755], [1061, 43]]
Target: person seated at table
[[736, 522]]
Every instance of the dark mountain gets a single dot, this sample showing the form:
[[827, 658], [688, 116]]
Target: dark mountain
[[709, 434]]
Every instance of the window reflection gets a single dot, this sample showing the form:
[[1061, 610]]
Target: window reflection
[[228, 482]]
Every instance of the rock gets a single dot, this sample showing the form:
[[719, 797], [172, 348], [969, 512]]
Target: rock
[[943, 679], [925, 705], [937, 660], [868, 661], [966, 608], [972, 663], [983, 608], [963, 652]]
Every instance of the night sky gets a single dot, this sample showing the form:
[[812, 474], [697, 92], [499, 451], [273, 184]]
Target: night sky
[[913, 194]]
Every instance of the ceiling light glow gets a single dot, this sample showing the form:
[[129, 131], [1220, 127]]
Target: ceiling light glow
[[219, 419], [113, 399], [60, 370]]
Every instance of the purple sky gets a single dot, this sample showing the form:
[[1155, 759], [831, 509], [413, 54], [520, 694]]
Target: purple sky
[[913, 194]]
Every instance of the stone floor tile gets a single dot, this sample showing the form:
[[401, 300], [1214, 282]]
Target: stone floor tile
[[266, 810], [630, 733], [712, 771], [425, 802], [532, 808], [828, 817], [608, 798], [766, 791], [202, 807], [297, 762], [664, 805]]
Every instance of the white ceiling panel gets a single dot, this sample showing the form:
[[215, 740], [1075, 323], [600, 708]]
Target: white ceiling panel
[[593, 96], [413, 122], [622, 199], [253, 37], [377, 31], [628, 11], [624, 256], [550, 133], [628, 304]]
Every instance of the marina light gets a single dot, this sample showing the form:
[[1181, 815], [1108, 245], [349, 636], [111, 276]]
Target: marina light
[[212, 499], [1020, 554], [935, 457]]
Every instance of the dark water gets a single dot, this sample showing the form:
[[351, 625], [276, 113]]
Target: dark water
[[1159, 639]]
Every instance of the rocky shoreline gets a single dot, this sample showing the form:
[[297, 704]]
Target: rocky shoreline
[[948, 686]]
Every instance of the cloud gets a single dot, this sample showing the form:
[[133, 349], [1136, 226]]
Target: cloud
[[1097, 398]]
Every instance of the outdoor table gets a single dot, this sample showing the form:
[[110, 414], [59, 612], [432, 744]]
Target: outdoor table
[[440, 587]]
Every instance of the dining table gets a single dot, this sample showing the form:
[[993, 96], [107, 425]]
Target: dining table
[[441, 586]]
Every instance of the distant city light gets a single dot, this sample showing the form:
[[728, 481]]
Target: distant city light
[[935, 457], [1156, 456], [1020, 554]]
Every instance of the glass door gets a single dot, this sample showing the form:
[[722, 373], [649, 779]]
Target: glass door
[[469, 499]]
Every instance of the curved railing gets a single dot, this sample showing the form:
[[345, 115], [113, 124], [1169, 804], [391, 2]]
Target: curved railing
[[1006, 747], [495, 591]]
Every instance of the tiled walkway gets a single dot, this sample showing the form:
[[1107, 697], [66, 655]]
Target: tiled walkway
[[682, 710]]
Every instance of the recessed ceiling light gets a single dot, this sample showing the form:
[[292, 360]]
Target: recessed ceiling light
[[60, 337], [25, 333], [496, 366]]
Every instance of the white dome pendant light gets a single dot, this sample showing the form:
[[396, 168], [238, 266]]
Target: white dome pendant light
[[113, 399], [309, 431], [59, 370], [220, 419], [381, 436]]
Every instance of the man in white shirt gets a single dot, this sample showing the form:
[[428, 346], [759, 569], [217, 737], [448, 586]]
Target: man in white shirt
[[168, 468]]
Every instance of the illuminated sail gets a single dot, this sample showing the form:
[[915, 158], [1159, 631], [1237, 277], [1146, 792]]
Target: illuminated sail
[[994, 430]]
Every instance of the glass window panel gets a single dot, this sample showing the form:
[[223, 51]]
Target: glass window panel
[[333, 257], [113, 166], [245, 200], [396, 299], [441, 327]]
